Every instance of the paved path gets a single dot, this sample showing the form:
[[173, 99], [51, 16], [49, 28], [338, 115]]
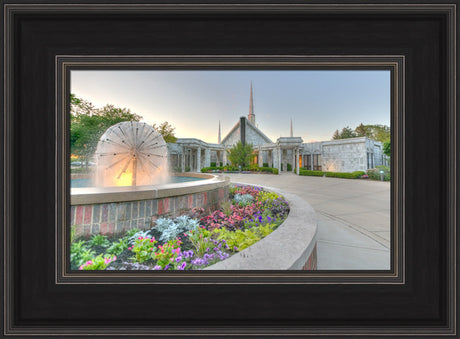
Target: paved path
[[353, 217]]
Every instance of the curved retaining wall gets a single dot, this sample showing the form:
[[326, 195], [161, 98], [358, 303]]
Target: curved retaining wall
[[114, 210], [292, 246]]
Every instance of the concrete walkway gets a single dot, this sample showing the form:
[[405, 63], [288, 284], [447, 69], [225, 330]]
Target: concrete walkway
[[353, 217]]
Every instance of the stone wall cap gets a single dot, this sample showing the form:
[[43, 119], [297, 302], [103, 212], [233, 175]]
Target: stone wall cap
[[100, 195]]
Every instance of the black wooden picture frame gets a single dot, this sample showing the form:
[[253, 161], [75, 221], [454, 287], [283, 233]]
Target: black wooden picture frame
[[37, 301]]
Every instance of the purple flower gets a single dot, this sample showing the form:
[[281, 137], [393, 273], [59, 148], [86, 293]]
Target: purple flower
[[260, 218], [157, 267], [167, 267], [178, 259]]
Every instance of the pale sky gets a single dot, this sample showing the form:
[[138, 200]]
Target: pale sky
[[318, 102]]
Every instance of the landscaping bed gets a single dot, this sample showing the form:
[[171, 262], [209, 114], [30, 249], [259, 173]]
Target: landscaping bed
[[189, 242]]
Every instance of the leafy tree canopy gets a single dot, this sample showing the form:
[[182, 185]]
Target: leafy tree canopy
[[387, 148], [167, 131], [240, 155], [376, 132], [87, 124]]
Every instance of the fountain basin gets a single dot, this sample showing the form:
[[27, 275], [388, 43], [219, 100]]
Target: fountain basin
[[114, 210]]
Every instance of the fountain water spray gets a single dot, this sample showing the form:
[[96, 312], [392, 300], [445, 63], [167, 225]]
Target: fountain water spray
[[131, 153]]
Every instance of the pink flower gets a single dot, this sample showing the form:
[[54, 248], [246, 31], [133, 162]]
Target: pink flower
[[151, 240], [129, 248]]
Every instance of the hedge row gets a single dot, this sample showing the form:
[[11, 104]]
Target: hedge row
[[254, 168], [289, 167], [268, 170], [303, 171], [345, 175], [220, 168]]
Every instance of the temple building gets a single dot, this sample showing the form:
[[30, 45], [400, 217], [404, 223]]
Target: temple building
[[344, 155]]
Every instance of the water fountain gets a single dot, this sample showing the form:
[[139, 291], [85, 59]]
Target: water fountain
[[131, 153], [132, 187]]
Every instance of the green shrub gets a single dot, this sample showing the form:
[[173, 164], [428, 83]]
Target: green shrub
[[345, 175], [289, 167], [171, 228], [187, 168], [358, 174], [275, 171], [231, 168], [243, 199], [79, 254], [99, 240], [212, 169], [213, 164], [118, 247], [303, 171], [374, 173], [143, 249], [240, 239], [266, 169], [265, 164], [131, 232], [98, 263]]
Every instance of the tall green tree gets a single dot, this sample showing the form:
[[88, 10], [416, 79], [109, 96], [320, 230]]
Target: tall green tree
[[346, 133], [387, 148], [376, 132], [87, 124], [362, 131], [336, 135], [167, 131], [380, 133], [241, 155]]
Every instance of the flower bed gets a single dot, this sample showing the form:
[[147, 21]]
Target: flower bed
[[188, 242]]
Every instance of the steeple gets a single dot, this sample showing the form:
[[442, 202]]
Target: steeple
[[292, 134], [251, 115], [218, 137]]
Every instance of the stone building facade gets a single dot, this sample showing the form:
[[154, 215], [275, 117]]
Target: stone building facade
[[344, 155]]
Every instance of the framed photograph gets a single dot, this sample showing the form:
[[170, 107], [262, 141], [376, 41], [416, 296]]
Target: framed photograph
[[268, 169]]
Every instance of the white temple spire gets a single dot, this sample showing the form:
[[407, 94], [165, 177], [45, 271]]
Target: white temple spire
[[251, 115], [292, 133], [218, 137]]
